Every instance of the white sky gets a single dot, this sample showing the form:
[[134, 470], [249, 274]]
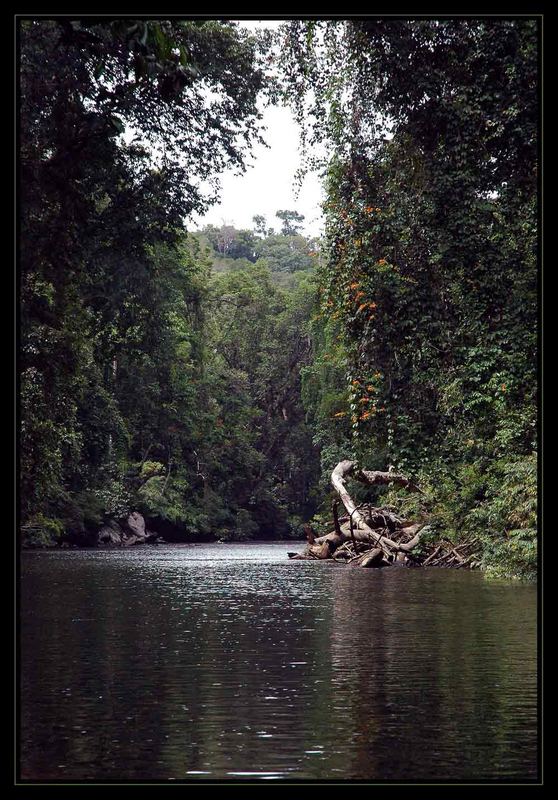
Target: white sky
[[268, 183]]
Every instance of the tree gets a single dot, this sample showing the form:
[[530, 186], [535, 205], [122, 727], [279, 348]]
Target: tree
[[229, 242], [260, 453], [260, 226], [286, 253], [429, 271], [291, 222], [96, 209]]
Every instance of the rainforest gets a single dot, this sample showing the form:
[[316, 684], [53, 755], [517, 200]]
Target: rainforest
[[211, 379], [278, 467]]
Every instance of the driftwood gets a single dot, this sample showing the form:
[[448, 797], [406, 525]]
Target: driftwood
[[367, 536], [370, 537], [377, 535], [446, 554]]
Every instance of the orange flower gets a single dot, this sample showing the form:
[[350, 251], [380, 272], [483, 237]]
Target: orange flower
[[341, 414], [382, 261], [354, 285]]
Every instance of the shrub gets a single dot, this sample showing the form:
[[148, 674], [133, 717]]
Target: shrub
[[42, 531]]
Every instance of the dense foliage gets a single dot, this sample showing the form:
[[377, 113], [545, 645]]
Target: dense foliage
[[426, 332], [118, 400], [211, 380]]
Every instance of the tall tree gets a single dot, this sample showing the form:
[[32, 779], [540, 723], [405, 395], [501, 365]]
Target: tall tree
[[430, 272], [291, 222], [121, 121]]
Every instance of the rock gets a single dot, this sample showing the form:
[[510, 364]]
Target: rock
[[111, 533], [136, 524], [135, 530], [372, 559], [132, 532]]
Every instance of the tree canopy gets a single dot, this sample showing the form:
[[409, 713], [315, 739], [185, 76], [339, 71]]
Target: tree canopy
[[427, 321], [172, 372]]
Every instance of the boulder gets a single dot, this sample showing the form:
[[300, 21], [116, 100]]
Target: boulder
[[131, 532], [136, 525], [111, 533]]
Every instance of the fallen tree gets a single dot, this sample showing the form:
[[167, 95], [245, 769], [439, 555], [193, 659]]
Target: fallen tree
[[367, 536]]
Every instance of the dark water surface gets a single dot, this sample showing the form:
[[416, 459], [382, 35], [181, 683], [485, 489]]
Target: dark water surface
[[228, 661]]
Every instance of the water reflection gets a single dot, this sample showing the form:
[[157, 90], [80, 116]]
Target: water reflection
[[436, 670], [229, 661]]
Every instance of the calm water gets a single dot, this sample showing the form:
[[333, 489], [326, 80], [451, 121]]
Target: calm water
[[231, 662]]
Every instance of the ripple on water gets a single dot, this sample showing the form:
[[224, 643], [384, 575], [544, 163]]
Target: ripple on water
[[230, 661]]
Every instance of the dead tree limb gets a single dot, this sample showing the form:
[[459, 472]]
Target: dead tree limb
[[366, 536], [345, 469], [335, 515]]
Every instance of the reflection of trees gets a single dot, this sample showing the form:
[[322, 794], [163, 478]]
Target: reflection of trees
[[257, 718], [428, 666], [406, 675], [165, 676]]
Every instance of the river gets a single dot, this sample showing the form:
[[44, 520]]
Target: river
[[230, 662]]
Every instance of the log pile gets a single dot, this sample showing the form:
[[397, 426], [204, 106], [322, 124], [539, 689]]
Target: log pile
[[446, 554], [366, 536]]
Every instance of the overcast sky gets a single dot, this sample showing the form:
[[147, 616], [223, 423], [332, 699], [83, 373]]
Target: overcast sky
[[268, 183]]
